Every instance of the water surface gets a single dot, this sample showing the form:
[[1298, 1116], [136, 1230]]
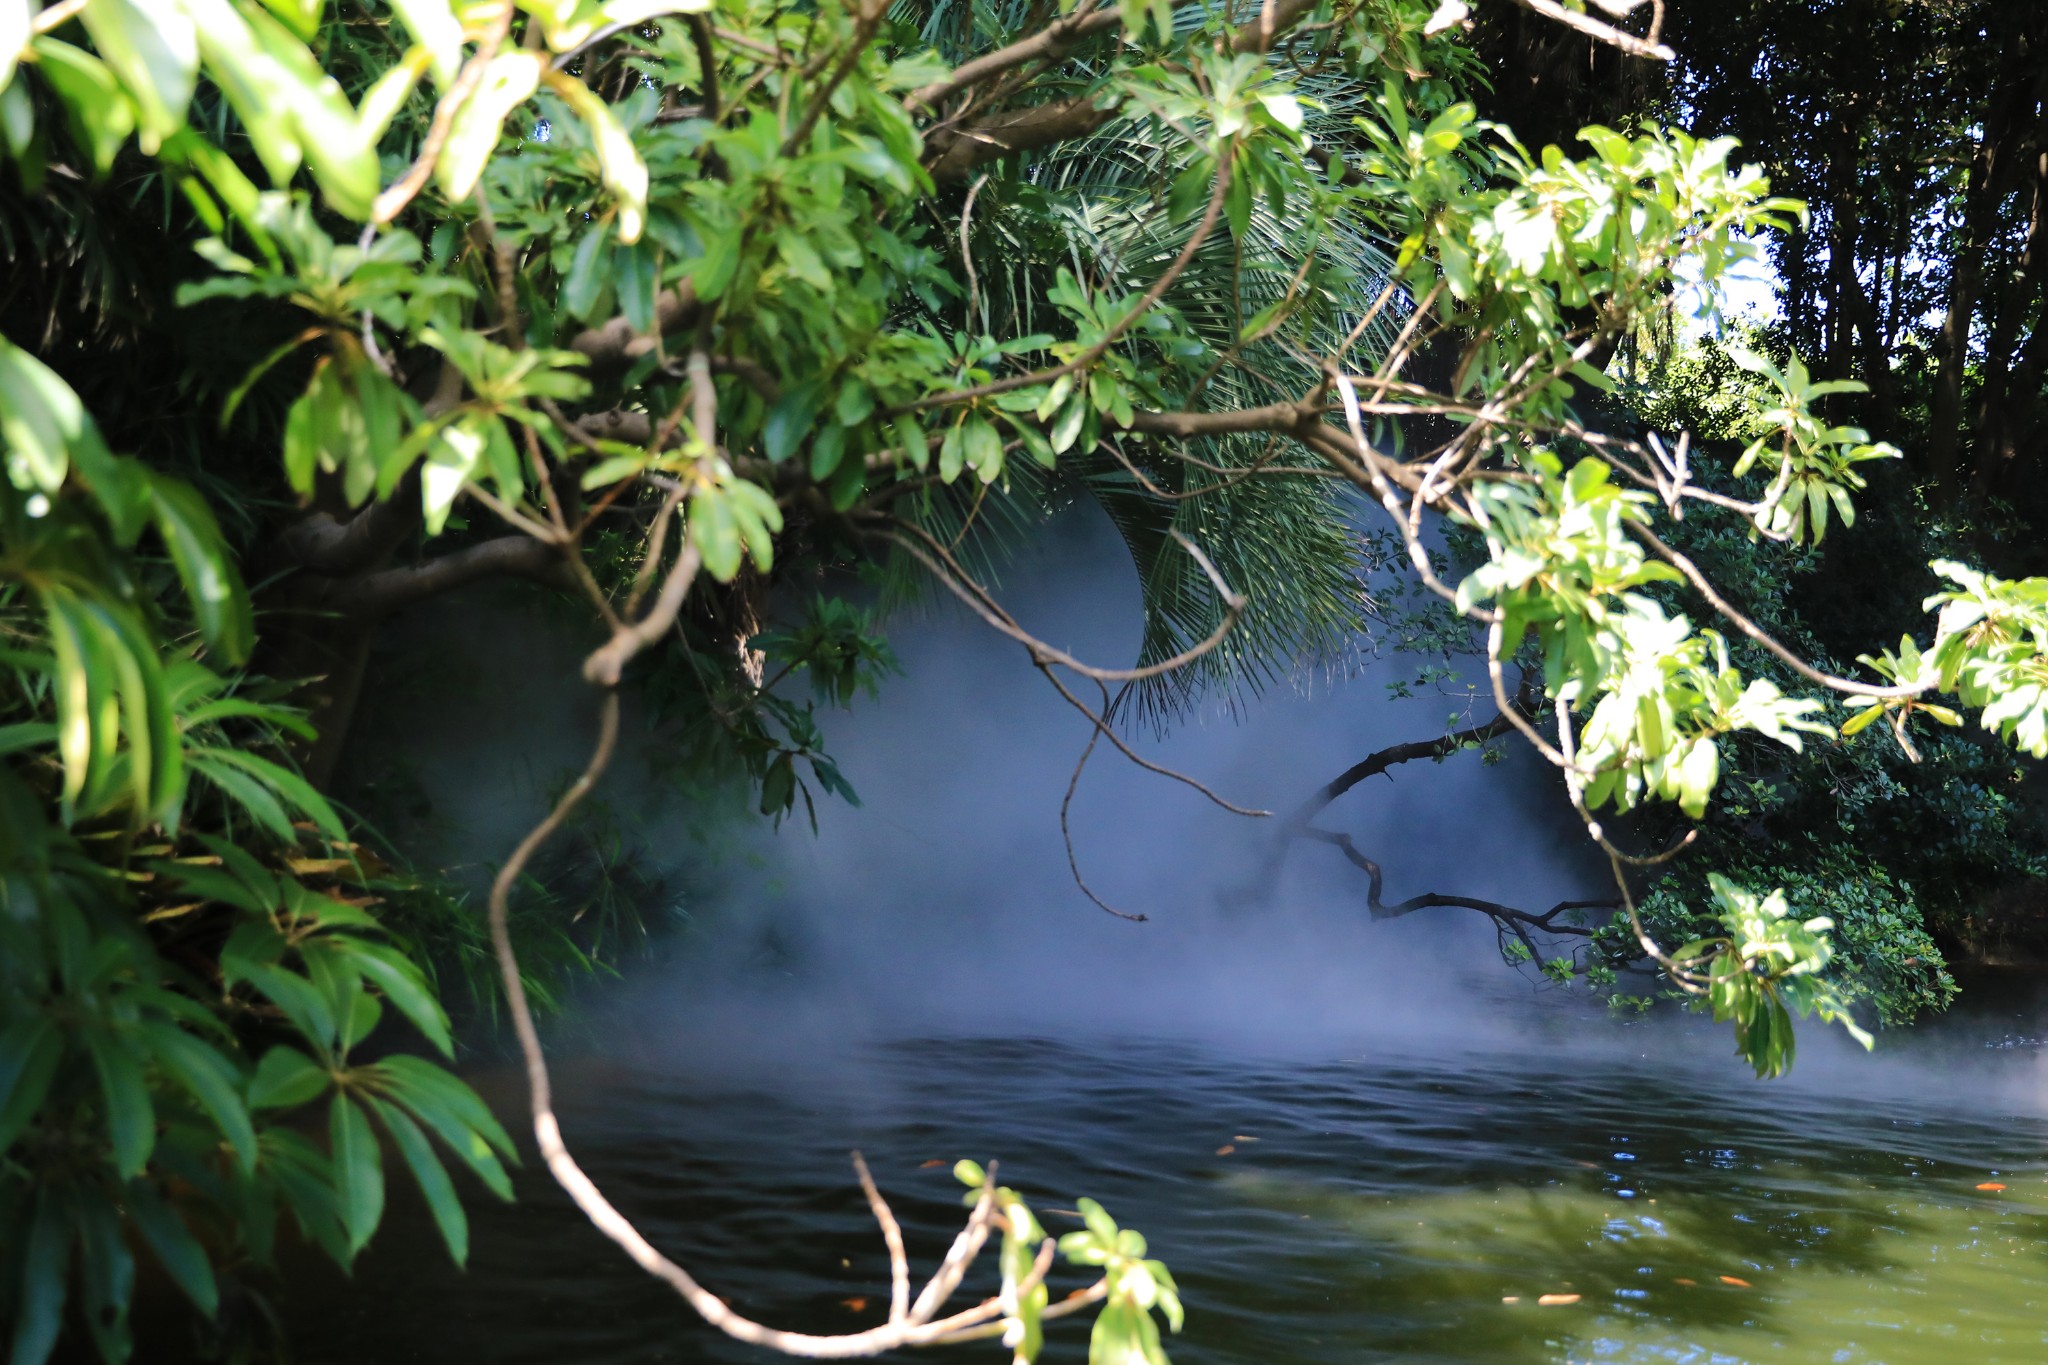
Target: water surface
[[1354, 1208]]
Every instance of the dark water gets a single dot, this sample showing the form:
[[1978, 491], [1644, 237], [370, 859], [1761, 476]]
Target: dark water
[[1373, 1208]]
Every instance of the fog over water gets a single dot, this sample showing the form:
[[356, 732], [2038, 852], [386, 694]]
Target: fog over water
[[944, 906]]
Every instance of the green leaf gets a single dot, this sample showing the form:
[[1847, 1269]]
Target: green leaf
[[309, 1010], [131, 1118], [363, 1015], [452, 1111], [435, 27], [1066, 428], [212, 582], [210, 1078], [584, 288], [285, 1079], [620, 168], [306, 1178], [291, 786], [1592, 376], [791, 418], [155, 52], [508, 82], [983, 446], [17, 120], [106, 1270], [245, 791], [176, 1249], [358, 1170], [715, 534], [99, 112], [29, 1052], [1097, 1220], [39, 1303], [302, 17], [428, 1172], [405, 985], [633, 280]]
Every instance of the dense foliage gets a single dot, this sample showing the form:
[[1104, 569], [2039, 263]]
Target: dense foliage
[[670, 306]]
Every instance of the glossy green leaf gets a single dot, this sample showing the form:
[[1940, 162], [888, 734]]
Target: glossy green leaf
[[358, 1170], [427, 1171], [213, 584], [155, 51], [286, 1078], [586, 286], [508, 82], [435, 27]]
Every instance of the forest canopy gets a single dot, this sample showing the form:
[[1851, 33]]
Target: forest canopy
[[693, 315]]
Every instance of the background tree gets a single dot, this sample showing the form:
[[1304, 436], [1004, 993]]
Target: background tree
[[1921, 271]]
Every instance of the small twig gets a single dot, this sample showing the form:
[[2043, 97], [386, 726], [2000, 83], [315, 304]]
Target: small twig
[[983, 606], [1108, 732], [1067, 830], [962, 1253]]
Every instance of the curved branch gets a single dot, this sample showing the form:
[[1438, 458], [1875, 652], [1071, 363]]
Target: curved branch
[[613, 345], [1599, 32], [912, 1329], [392, 201], [984, 606]]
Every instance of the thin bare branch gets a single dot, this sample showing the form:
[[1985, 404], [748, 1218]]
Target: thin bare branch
[[1605, 33], [1727, 611], [392, 201], [892, 1235]]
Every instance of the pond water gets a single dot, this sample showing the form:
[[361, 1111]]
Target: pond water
[[1355, 1208]]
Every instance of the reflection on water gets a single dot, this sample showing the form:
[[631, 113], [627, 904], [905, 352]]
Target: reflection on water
[[1369, 1209]]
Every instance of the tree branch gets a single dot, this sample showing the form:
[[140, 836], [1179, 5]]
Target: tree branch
[[513, 556], [327, 545], [1049, 44], [954, 152], [1376, 764], [614, 345]]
